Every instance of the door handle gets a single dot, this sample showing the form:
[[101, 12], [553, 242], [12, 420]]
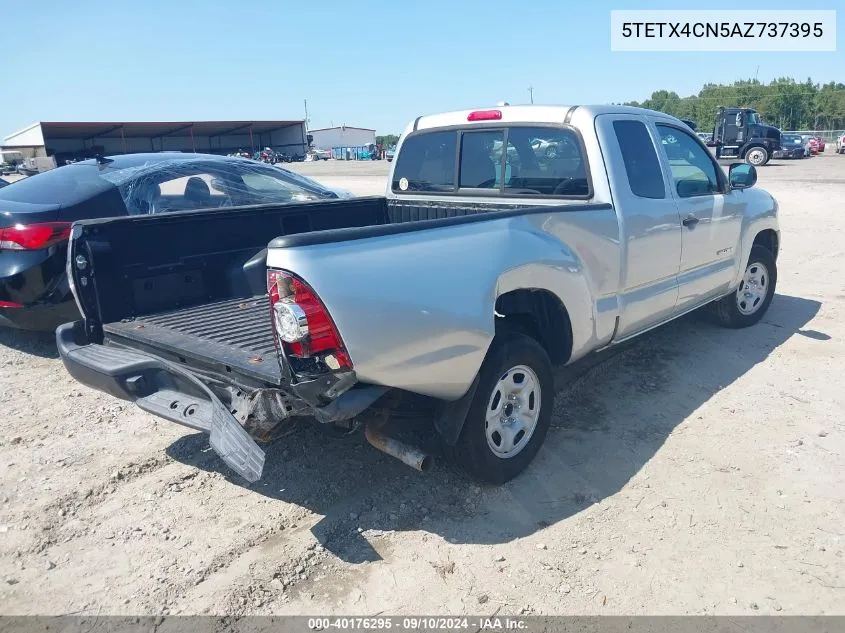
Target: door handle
[[690, 221]]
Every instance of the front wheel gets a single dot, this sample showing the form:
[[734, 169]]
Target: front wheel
[[510, 413], [749, 303], [757, 156]]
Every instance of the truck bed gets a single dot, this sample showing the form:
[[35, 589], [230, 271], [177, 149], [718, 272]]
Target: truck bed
[[189, 287], [236, 333]]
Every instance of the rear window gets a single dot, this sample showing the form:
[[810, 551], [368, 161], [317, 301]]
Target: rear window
[[66, 185], [480, 167], [516, 161], [426, 163]]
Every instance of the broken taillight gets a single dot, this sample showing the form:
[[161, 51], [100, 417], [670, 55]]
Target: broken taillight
[[301, 323], [29, 237]]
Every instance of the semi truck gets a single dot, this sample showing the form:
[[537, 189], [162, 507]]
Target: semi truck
[[741, 133]]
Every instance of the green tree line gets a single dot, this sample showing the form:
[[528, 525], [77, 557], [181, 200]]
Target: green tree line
[[389, 140], [784, 103]]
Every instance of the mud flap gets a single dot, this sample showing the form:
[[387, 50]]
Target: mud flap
[[234, 445], [449, 417]]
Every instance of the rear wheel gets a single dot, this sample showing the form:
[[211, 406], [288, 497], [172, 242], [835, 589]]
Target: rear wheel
[[749, 303], [757, 156], [510, 413]]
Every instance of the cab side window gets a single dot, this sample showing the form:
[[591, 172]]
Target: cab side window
[[692, 167], [640, 158]]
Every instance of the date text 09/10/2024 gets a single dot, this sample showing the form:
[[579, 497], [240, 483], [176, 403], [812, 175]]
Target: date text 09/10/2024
[[418, 623]]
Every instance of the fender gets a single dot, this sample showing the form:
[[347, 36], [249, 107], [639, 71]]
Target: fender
[[761, 214]]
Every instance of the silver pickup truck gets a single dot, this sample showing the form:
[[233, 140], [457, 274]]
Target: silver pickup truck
[[510, 240]]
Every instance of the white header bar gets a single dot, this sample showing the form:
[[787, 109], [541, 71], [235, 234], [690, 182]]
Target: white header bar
[[747, 30]]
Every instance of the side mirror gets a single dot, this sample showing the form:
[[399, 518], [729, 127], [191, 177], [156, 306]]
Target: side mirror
[[742, 175]]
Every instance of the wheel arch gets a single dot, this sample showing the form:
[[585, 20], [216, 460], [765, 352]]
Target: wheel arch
[[752, 145], [758, 230], [540, 314], [535, 312], [768, 239]]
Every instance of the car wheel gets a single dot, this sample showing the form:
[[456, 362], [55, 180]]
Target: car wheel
[[757, 156], [747, 305], [510, 413]]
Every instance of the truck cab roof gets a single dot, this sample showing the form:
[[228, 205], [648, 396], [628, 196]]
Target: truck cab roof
[[527, 114]]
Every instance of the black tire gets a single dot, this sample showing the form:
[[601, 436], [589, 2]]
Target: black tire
[[752, 154], [727, 309], [472, 452]]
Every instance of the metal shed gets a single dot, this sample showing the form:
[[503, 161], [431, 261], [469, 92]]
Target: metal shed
[[76, 140]]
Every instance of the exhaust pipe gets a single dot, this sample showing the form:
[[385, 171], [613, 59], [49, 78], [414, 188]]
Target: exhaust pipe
[[405, 453]]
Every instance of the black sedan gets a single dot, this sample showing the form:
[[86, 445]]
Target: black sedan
[[36, 214], [791, 146]]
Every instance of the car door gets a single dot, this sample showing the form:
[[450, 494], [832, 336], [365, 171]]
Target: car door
[[650, 222], [710, 215]]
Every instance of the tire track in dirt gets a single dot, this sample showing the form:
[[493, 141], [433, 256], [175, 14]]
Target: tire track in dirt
[[74, 505]]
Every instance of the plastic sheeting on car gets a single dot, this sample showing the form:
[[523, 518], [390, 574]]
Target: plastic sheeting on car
[[157, 185]]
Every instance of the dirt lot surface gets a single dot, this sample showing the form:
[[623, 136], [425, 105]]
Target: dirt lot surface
[[699, 470]]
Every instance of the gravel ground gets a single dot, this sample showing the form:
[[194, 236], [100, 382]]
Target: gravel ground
[[697, 470]]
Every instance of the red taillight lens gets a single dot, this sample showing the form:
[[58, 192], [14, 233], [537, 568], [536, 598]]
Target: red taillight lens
[[10, 304], [301, 322], [28, 237], [485, 115]]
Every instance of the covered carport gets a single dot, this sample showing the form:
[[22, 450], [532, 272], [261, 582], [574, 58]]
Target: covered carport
[[78, 140]]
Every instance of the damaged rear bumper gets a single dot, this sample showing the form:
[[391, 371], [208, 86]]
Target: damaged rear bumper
[[174, 393]]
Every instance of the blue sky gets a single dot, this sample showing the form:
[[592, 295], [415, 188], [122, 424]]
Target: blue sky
[[371, 63]]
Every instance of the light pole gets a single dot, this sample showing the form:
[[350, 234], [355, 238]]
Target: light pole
[[531, 93]]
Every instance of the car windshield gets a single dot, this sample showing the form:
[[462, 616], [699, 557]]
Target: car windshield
[[153, 185]]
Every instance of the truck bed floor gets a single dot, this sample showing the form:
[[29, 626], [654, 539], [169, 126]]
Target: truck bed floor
[[235, 333]]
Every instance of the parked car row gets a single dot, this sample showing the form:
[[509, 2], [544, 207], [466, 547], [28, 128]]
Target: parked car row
[[803, 146], [37, 213], [507, 242]]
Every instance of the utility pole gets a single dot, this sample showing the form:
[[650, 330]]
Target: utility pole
[[531, 93], [306, 114]]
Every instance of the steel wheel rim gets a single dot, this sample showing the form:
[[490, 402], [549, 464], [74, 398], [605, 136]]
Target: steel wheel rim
[[755, 157], [512, 412], [753, 288]]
